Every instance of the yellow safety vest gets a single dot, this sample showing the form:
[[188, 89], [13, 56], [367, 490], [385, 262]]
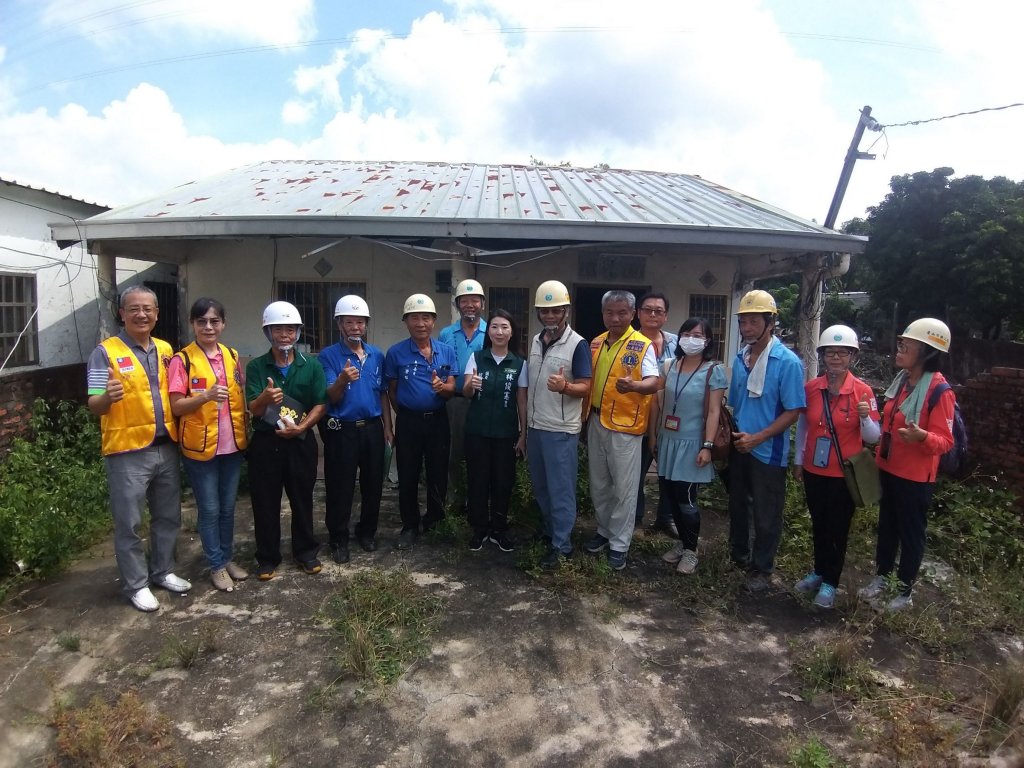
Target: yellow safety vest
[[130, 424], [623, 412], [200, 430]]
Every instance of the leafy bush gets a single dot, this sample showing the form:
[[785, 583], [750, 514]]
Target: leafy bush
[[53, 491], [976, 528]]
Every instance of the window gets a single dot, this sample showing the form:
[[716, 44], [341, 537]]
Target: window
[[315, 302], [711, 308], [515, 301], [17, 318]]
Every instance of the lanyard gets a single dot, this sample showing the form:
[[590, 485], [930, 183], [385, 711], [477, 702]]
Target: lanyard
[[679, 390]]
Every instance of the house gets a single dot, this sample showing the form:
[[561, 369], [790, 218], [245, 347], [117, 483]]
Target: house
[[50, 305], [312, 231]]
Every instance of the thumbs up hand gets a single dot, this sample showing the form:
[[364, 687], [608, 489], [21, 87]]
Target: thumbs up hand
[[349, 373], [115, 389], [476, 381], [435, 383], [218, 392], [864, 406], [276, 394], [557, 382]]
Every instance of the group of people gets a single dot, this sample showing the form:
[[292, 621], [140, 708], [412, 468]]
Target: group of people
[[469, 403]]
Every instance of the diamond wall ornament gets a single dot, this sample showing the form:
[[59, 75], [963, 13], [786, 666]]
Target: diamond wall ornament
[[708, 279], [322, 267]]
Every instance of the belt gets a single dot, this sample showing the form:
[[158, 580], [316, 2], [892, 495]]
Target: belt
[[420, 414], [337, 424]]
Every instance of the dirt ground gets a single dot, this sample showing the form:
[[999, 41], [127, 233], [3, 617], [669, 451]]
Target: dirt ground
[[519, 674]]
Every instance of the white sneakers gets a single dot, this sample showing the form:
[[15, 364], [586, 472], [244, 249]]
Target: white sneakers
[[144, 601], [874, 588], [675, 554], [173, 583], [688, 562]]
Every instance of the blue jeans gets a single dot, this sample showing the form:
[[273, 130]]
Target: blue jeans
[[553, 460], [215, 485]]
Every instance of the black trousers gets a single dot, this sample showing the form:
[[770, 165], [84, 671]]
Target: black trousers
[[902, 526], [277, 464], [665, 512], [490, 476], [831, 510], [346, 450], [682, 500], [421, 439]]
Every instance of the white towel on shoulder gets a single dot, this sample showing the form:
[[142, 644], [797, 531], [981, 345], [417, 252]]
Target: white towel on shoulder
[[755, 381]]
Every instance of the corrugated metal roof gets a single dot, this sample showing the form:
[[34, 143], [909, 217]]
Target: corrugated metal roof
[[61, 195], [320, 198]]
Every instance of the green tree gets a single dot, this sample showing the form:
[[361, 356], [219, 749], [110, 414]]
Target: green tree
[[947, 248]]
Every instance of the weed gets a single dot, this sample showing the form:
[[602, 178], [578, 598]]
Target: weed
[[811, 754], [185, 652], [835, 666], [53, 491], [384, 620], [1006, 697], [714, 585], [124, 732], [69, 641], [913, 733]]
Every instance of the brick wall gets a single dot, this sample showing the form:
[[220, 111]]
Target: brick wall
[[19, 389], [992, 404]]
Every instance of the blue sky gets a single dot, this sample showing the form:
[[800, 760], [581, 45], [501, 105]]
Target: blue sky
[[115, 102]]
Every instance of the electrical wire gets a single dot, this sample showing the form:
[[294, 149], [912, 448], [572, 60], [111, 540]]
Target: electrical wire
[[950, 117], [17, 341]]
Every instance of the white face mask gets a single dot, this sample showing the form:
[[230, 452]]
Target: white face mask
[[691, 346]]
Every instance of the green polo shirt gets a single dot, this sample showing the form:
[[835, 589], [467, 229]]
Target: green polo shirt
[[305, 382]]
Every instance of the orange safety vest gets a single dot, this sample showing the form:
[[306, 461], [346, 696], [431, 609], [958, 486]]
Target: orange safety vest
[[623, 412], [200, 429], [130, 424]]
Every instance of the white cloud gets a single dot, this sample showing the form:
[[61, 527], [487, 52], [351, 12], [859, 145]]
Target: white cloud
[[136, 147], [296, 112], [268, 22]]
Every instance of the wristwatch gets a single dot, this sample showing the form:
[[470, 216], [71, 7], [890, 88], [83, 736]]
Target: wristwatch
[[707, 444]]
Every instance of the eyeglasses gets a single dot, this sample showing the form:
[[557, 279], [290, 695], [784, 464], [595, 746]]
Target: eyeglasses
[[139, 310], [843, 353], [653, 310], [902, 345], [208, 322]]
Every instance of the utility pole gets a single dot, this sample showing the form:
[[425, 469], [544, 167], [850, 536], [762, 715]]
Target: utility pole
[[812, 300]]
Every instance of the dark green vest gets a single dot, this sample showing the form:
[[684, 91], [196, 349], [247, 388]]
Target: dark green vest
[[493, 411]]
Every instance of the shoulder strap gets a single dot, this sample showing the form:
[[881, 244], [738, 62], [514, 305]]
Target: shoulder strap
[[707, 391], [831, 427], [933, 398]]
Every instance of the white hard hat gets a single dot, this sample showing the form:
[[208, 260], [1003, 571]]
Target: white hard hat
[[757, 301], [930, 331], [551, 293], [281, 313], [469, 288], [838, 336], [352, 305], [419, 302]]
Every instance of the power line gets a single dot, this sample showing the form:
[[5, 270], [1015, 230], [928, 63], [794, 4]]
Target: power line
[[950, 117]]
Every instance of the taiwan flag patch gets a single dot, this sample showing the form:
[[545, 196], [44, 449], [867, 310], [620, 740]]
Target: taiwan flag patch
[[198, 384], [125, 364]]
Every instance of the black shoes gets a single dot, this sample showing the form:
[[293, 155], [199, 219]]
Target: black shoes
[[406, 539], [339, 553], [368, 543], [553, 559], [503, 542]]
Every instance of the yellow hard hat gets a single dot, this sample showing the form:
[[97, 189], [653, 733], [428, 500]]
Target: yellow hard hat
[[757, 301], [419, 302], [469, 288], [552, 293], [930, 331]]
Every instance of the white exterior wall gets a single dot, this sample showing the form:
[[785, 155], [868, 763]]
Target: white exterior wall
[[242, 274]]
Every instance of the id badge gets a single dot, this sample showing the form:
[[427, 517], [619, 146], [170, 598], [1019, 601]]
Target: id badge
[[822, 449], [672, 423]]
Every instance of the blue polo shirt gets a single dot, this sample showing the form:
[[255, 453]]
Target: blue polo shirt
[[783, 391], [362, 397], [405, 365], [453, 336]]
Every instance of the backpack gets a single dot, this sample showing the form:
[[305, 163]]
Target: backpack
[[954, 461]]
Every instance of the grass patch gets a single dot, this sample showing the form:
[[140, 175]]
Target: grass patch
[[385, 621], [835, 666], [715, 584], [120, 733], [69, 641], [185, 652], [812, 753]]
